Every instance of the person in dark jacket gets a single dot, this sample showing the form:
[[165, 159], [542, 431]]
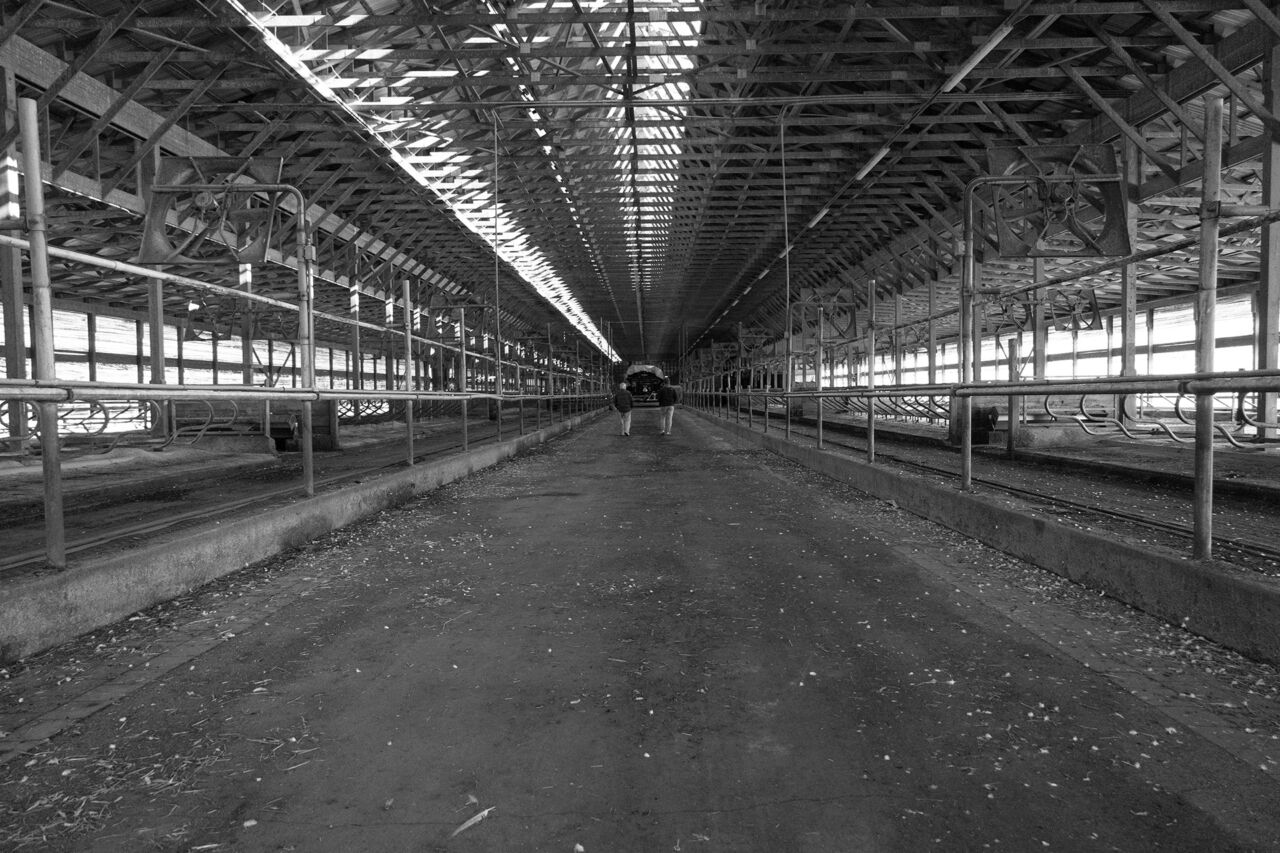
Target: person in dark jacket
[[667, 399], [622, 402]]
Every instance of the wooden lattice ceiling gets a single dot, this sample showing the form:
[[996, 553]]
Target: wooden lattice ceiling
[[664, 172]]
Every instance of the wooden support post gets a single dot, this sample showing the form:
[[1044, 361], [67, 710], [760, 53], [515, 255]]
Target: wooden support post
[[357, 352], [1267, 305], [214, 367], [1129, 275], [42, 321], [1206, 331], [932, 339], [147, 168], [181, 355], [11, 301], [91, 331], [897, 339], [139, 336], [246, 328]]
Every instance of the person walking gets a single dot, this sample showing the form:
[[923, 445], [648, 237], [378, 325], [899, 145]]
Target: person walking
[[622, 402], [668, 396]]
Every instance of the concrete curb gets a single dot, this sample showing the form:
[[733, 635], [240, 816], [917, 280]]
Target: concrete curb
[[42, 612], [1237, 609]]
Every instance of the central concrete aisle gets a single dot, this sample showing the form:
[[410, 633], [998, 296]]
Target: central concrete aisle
[[643, 644]]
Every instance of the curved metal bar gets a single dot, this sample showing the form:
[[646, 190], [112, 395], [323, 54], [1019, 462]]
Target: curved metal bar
[[202, 428], [1084, 411], [1243, 414], [1177, 410], [1111, 422], [1084, 424], [1133, 419], [1232, 439]]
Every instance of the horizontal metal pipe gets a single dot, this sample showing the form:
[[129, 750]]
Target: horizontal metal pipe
[[1208, 386], [1185, 383], [887, 391], [33, 393], [150, 272], [146, 272], [1108, 387], [66, 392], [1204, 383]]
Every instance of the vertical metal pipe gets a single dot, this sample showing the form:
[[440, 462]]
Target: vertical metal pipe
[[789, 372], [1039, 325], [1011, 438], [497, 297], [967, 276], [408, 369], [1206, 331], [871, 370], [462, 373], [520, 390], [306, 327], [767, 377], [817, 363], [42, 321], [737, 389]]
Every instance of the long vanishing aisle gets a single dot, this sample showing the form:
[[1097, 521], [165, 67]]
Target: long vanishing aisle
[[650, 643]]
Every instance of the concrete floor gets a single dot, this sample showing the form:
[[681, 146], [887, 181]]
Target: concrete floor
[[641, 644]]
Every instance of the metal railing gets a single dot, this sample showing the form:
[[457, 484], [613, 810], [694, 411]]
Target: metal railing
[[713, 395], [82, 397]]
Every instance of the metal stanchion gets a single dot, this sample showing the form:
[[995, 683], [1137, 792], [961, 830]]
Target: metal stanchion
[[408, 370]]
